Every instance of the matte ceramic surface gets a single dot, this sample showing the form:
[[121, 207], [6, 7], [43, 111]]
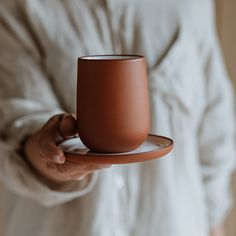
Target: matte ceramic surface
[[112, 102], [154, 147]]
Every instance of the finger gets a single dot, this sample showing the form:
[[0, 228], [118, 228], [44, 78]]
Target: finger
[[69, 168], [48, 137], [51, 130], [51, 152], [72, 176], [54, 121], [72, 167], [101, 166], [68, 126], [80, 176]]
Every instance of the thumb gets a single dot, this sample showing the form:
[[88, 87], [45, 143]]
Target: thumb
[[68, 126]]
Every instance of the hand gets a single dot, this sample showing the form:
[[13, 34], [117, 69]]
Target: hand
[[217, 231], [48, 159]]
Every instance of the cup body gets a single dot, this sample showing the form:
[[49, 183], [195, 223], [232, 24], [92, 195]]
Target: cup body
[[112, 102]]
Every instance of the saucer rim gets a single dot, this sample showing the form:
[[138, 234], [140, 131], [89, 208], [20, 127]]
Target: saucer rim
[[126, 158]]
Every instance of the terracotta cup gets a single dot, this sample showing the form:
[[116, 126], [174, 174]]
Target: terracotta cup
[[112, 102]]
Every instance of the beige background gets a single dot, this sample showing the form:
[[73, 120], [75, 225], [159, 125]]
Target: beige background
[[226, 17]]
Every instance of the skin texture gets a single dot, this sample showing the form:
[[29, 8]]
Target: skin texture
[[48, 159]]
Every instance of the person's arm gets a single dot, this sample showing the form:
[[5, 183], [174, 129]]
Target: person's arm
[[27, 101], [217, 133]]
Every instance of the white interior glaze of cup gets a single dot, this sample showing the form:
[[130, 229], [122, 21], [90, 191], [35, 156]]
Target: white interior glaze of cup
[[111, 57]]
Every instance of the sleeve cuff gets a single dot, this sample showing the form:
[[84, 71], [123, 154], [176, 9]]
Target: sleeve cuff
[[18, 176], [21, 179]]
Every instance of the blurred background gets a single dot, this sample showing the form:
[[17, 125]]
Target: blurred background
[[226, 19]]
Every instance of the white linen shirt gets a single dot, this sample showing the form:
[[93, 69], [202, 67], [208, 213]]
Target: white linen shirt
[[183, 194]]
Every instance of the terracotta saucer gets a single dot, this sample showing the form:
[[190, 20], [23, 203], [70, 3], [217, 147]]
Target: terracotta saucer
[[153, 148]]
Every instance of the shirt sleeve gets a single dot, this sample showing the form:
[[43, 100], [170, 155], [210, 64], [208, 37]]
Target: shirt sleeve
[[217, 132], [27, 101]]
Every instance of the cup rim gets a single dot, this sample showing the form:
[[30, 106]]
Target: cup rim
[[111, 57]]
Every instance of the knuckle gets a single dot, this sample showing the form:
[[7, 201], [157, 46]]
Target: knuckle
[[53, 119]]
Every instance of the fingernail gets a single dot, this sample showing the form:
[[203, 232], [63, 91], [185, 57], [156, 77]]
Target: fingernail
[[57, 159]]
